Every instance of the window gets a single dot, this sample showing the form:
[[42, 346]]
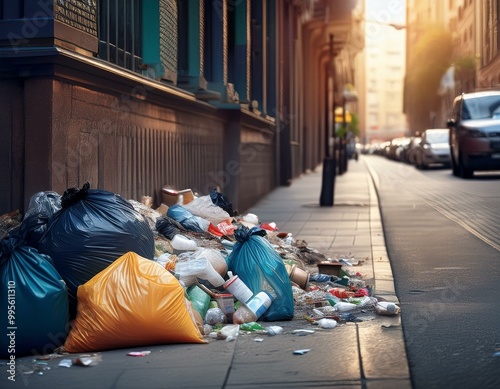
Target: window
[[208, 40], [393, 119], [119, 30], [140, 36]]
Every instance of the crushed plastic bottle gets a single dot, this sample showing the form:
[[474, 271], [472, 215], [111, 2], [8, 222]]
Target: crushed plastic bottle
[[345, 307], [364, 301], [387, 308]]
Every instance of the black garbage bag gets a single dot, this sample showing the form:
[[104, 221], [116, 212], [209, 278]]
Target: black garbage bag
[[168, 227], [42, 206], [34, 301], [222, 201], [92, 230]]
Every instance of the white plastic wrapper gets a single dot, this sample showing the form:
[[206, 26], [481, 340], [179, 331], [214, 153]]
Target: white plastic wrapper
[[327, 323], [205, 208], [274, 330]]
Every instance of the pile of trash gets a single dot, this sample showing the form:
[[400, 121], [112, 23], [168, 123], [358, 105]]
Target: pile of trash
[[81, 269]]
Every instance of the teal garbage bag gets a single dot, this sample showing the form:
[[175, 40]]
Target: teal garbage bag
[[260, 267], [34, 302]]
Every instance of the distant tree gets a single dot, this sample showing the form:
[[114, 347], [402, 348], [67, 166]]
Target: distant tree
[[429, 60], [352, 127]]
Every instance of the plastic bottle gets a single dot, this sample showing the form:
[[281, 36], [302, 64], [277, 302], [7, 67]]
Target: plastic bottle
[[345, 307], [386, 308], [198, 267], [363, 302], [238, 288], [259, 303]]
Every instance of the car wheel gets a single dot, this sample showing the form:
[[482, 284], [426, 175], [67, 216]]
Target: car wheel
[[417, 161], [420, 162], [464, 171]]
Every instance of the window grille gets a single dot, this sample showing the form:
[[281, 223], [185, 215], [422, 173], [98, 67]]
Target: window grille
[[119, 33]]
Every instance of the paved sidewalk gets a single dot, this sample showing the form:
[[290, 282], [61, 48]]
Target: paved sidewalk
[[369, 354]]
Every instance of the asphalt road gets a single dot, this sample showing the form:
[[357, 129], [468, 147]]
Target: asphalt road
[[443, 240]]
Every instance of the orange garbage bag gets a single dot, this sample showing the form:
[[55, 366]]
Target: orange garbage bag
[[133, 302]]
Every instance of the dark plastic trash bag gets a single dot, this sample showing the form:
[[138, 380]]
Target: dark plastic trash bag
[[259, 266], [92, 230], [222, 201], [42, 206], [168, 227], [34, 302]]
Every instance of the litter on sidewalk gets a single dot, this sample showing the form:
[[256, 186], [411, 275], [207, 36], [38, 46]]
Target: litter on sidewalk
[[190, 271]]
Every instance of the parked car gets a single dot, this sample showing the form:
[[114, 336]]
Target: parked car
[[475, 133], [408, 153], [382, 148], [400, 148], [395, 146], [434, 148]]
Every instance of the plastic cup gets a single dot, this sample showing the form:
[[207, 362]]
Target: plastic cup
[[180, 242]]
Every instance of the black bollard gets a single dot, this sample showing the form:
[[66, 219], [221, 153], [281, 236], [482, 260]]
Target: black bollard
[[328, 183]]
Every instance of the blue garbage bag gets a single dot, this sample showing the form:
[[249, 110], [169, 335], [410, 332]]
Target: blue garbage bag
[[92, 230], [34, 301], [260, 267], [187, 219]]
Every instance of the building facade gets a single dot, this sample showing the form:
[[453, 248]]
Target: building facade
[[475, 60], [385, 58], [133, 95]]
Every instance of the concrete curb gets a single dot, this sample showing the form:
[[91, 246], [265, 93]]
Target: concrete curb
[[384, 280]]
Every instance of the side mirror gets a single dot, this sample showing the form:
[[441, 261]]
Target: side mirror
[[451, 123]]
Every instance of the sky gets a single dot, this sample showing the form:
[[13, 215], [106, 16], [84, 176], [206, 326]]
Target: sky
[[380, 13]]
